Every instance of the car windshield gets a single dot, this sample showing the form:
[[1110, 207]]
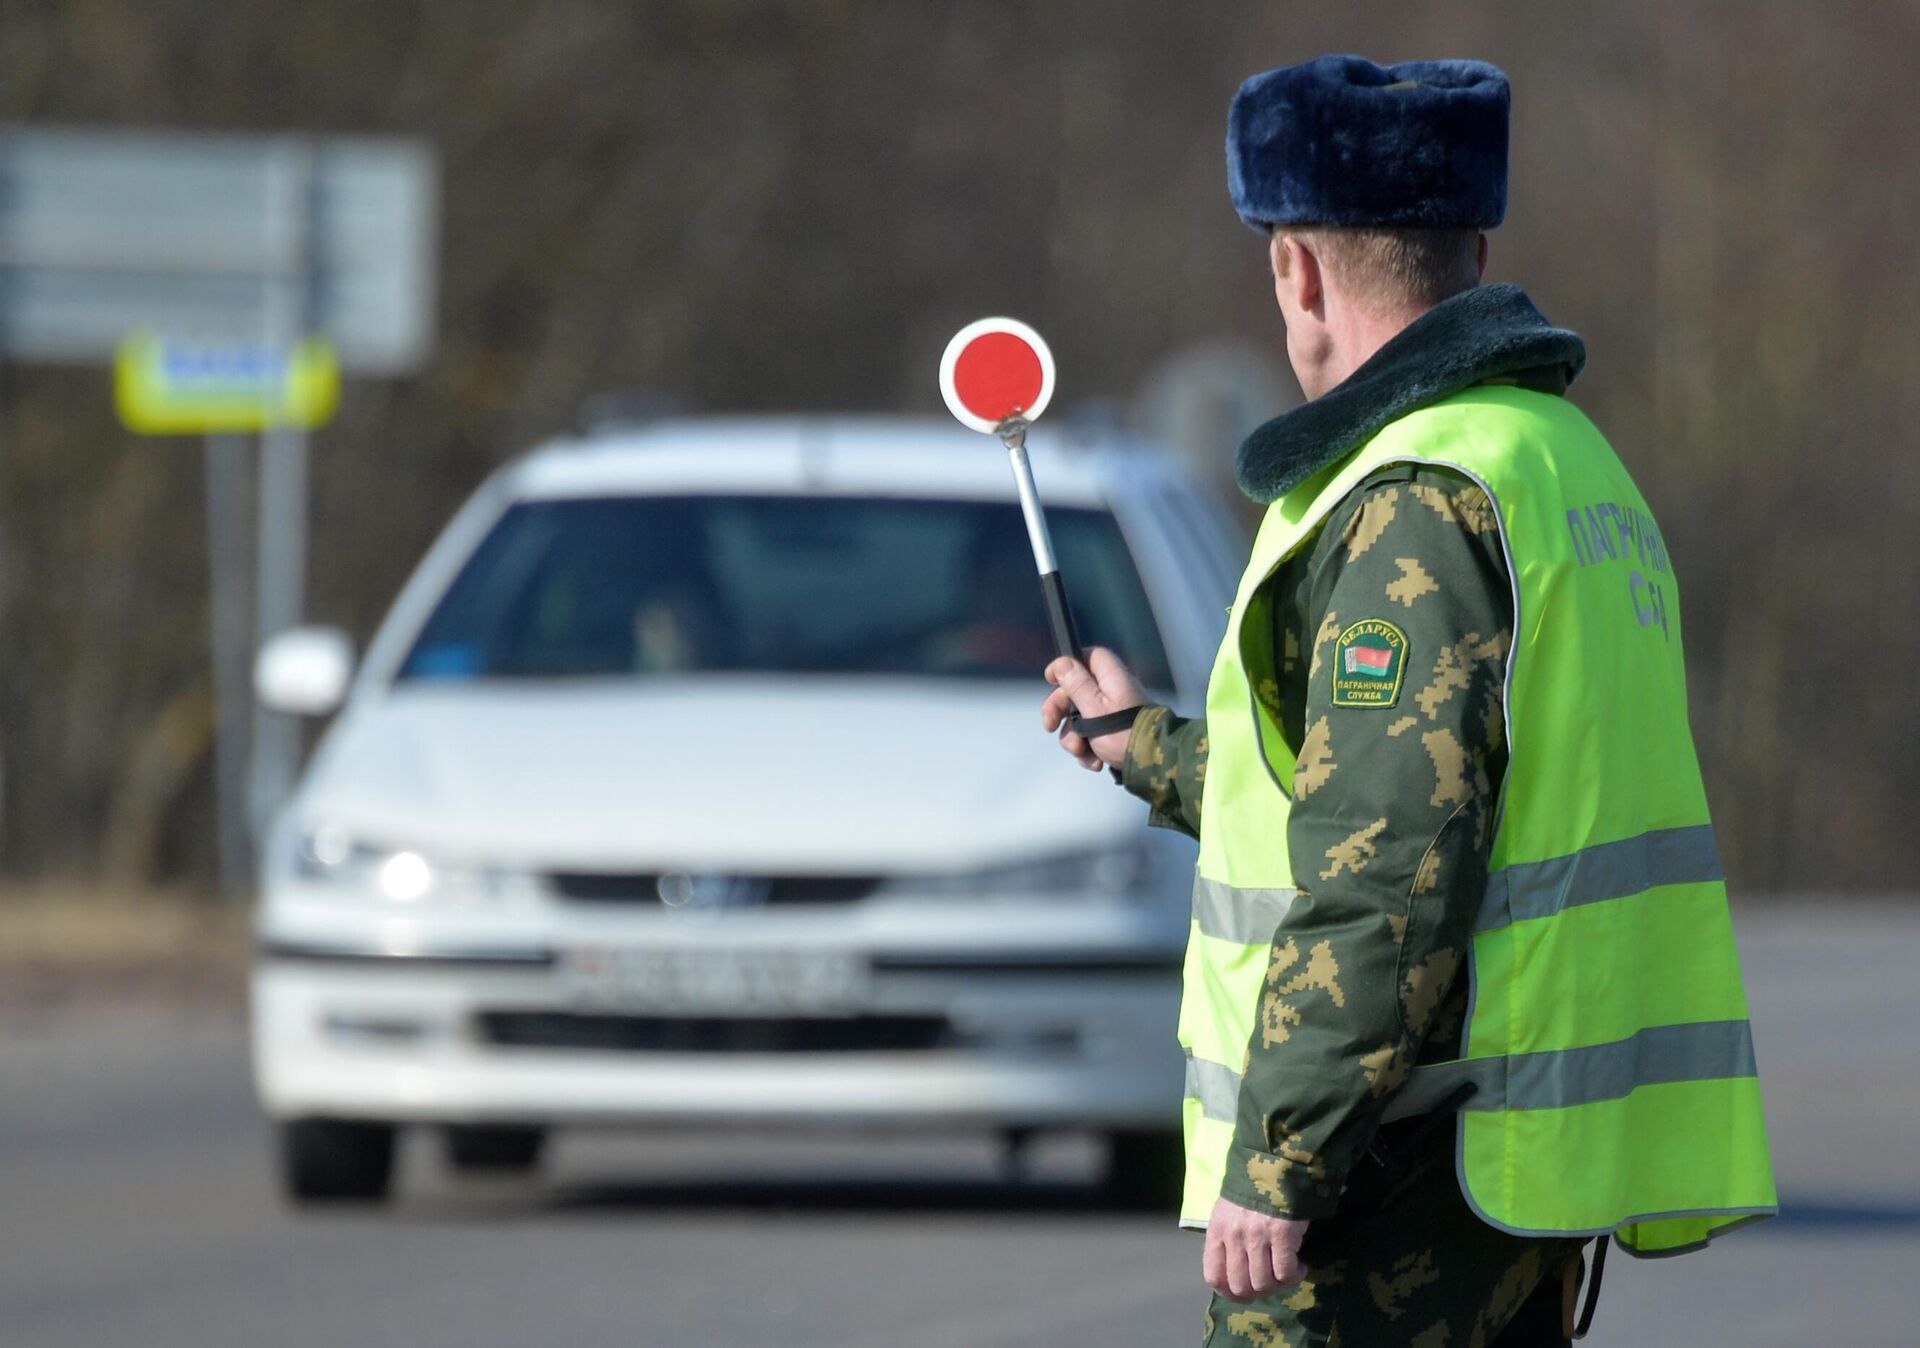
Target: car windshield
[[665, 585]]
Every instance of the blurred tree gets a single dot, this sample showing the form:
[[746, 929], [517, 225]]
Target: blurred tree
[[767, 205]]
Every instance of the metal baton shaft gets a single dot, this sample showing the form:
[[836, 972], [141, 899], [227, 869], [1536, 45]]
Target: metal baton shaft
[[1013, 434]]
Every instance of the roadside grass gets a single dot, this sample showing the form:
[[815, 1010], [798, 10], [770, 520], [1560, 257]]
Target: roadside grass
[[66, 947]]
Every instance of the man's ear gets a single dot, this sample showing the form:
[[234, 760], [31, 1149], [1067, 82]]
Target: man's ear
[[1481, 263], [1296, 273]]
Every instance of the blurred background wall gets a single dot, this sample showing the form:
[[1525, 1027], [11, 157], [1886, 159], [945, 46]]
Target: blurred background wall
[[789, 206]]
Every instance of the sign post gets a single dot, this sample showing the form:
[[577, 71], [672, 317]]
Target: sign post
[[280, 558], [227, 572]]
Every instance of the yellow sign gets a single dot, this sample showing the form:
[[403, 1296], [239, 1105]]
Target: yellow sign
[[164, 386]]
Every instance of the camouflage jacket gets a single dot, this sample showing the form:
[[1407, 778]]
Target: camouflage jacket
[[1389, 831]]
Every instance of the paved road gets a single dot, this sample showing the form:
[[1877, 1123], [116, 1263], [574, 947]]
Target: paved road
[[136, 1209]]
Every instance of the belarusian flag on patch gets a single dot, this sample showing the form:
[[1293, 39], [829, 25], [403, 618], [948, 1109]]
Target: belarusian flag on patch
[[1370, 660], [1374, 660]]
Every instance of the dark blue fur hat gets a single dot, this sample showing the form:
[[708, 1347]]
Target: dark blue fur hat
[[1342, 141]]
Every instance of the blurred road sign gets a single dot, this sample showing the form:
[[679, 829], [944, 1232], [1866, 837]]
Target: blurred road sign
[[995, 368], [164, 386], [245, 247], [217, 237]]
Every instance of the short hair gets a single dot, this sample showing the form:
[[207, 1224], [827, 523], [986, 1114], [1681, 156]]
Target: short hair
[[1391, 269]]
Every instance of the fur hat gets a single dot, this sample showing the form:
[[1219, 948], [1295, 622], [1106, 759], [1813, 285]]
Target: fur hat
[[1342, 141]]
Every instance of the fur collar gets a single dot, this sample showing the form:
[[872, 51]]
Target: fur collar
[[1487, 334]]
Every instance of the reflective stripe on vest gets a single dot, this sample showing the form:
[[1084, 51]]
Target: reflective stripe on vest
[[1607, 1034], [1244, 916], [1615, 870], [1705, 1051], [1215, 1086]]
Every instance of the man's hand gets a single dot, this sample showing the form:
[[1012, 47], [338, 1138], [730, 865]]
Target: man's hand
[[1107, 687], [1250, 1254]]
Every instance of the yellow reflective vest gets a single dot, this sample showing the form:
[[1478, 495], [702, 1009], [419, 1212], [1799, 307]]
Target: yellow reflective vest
[[1607, 1042]]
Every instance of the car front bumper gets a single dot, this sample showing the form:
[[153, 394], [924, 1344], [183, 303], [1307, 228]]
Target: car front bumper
[[1065, 1019]]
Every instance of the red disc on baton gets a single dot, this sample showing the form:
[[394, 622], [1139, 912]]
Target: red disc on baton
[[995, 368]]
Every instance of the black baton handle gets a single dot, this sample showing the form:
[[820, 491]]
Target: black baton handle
[[1067, 642], [1059, 617]]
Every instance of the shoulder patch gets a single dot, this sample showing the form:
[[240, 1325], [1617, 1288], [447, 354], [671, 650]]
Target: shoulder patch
[[1369, 664]]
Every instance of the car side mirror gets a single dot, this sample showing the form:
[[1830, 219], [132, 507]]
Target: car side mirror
[[304, 671]]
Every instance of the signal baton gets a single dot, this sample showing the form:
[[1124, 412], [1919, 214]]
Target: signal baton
[[997, 378]]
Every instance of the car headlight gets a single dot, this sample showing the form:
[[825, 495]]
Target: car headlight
[[1122, 871], [329, 855]]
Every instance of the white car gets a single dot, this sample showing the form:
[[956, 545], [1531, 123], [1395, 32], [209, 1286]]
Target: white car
[[697, 776]]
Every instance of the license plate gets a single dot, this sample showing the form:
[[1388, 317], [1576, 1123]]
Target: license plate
[[715, 982]]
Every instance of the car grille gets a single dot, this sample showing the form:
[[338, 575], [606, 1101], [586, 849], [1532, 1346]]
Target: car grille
[[714, 1034], [644, 887]]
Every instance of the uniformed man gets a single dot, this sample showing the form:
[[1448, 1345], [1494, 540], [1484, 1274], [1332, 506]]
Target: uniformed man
[[1461, 992]]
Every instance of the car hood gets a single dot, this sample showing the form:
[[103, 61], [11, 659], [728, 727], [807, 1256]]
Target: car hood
[[745, 774]]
